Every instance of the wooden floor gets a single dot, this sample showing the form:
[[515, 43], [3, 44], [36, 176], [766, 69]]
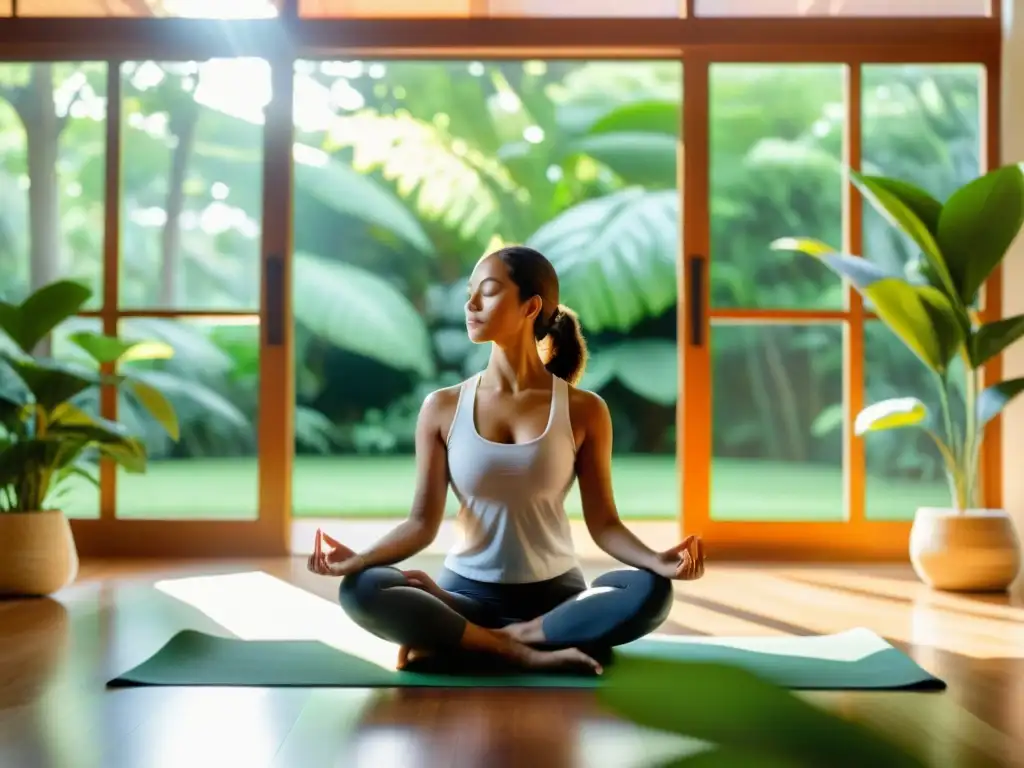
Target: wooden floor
[[56, 655]]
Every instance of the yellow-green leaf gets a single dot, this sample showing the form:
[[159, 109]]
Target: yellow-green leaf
[[895, 413], [111, 349], [888, 201], [921, 317], [807, 245], [158, 406], [147, 350]]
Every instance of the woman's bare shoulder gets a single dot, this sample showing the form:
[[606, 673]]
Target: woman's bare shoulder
[[586, 408], [440, 405], [585, 400]]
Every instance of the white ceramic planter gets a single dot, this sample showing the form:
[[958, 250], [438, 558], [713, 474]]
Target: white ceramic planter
[[977, 550], [37, 553]]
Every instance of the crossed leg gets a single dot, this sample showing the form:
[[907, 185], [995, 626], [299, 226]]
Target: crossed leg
[[618, 608]]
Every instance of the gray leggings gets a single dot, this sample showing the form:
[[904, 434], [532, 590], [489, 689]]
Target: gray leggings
[[619, 607]]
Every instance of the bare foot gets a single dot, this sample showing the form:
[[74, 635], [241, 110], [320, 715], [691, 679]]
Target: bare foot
[[565, 660], [526, 632], [407, 655]]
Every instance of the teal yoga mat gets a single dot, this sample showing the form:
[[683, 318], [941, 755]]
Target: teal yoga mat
[[857, 659]]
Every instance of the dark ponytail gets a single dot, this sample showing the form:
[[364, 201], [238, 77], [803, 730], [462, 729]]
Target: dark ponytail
[[531, 271], [568, 347]]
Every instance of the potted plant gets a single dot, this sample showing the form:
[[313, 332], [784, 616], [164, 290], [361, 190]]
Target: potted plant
[[46, 439], [931, 309]]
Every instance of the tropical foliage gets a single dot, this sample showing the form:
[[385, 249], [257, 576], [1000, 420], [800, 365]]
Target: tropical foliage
[[740, 719], [45, 436], [932, 307], [406, 172]]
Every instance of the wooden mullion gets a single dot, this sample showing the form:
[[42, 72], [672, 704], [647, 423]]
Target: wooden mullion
[[111, 270], [694, 420], [991, 455], [855, 464]]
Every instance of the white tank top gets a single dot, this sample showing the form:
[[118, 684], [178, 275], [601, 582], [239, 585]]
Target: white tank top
[[512, 526]]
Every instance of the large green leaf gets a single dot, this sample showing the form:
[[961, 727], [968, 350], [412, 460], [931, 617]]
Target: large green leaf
[[887, 197], [193, 347], [346, 191], [52, 383], [180, 391], [734, 708], [921, 316], [648, 159], [110, 349], [978, 224], [647, 367], [35, 318], [857, 270], [923, 205], [992, 400], [616, 257], [648, 116], [358, 311], [156, 405], [130, 454], [895, 413], [992, 338]]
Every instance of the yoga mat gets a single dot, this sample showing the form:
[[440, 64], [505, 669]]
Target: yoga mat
[[857, 659]]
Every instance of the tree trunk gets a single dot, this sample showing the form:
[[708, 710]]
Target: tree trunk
[[42, 134], [183, 123], [42, 130]]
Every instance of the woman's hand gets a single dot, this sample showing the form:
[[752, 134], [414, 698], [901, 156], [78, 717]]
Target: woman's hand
[[339, 560], [684, 562]]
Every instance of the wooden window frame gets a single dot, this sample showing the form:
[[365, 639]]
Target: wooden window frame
[[698, 43]]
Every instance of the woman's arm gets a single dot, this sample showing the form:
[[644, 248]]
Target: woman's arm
[[419, 530], [594, 473]]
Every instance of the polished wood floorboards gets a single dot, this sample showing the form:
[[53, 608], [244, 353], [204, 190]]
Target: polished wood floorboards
[[57, 654]]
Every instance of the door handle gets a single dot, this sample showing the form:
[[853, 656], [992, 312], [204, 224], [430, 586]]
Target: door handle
[[696, 300], [274, 290]]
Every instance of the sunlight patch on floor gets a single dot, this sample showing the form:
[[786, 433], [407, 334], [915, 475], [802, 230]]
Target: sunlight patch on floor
[[853, 645], [819, 610], [257, 606], [696, 618], [996, 605]]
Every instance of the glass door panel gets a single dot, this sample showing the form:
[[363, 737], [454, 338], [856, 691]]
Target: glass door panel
[[53, 119], [190, 275], [921, 124], [406, 172], [776, 340], [777, 390]]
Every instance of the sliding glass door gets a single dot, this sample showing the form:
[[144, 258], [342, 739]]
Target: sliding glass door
[[294, 205], [792, 354], [406, 172]]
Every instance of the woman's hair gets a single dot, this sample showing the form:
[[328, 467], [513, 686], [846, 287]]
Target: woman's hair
[[535, 276]]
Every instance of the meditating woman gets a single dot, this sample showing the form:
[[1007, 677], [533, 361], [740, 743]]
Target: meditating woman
[[511, 441]]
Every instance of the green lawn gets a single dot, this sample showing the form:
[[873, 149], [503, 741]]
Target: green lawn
[[646, 487]]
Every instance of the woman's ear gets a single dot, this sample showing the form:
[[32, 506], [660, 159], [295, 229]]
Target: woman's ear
[[533, 307]]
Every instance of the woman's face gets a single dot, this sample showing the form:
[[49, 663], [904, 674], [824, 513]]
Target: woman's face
[[493, 309]]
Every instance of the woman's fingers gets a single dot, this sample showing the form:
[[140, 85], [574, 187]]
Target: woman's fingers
[[332, 542]]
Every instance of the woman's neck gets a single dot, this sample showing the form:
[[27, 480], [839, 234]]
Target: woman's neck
[[514, 369]]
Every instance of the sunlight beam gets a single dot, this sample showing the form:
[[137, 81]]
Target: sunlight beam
[[257, 606]]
